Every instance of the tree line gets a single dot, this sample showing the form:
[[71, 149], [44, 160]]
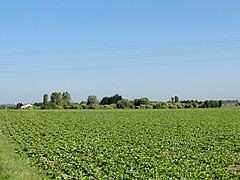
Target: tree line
[[58, 100]]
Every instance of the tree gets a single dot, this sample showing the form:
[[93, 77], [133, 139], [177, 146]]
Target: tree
[[176, 99], [19, 105], [114, 99], [172, 99], [124, 104], [56, 97], [49, 105], [66, 96], [92, 100], [105, 101], [206, 104], [160, 105], [141, 101], [45, 98], [111, 100], [220, 103]]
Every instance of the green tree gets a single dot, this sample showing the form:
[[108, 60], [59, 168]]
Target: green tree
[[50, 105], [19, 105], [160, 105], [92, 100], [45, 98], [206, 104], [114, 99], [141, 101], [105, 101], [56, 97], [124, 104], [220, 103], [176, 99], [111, 100], [66, 96]]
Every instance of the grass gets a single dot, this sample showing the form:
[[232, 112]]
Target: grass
[[12, 166]]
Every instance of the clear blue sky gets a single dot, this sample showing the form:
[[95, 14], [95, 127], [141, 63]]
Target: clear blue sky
[[137, 48]]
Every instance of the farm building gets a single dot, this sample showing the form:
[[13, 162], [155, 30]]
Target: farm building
[[27, 106]]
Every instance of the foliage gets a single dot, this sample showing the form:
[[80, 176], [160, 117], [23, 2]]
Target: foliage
[[19, 105], [92, 100], [160, 105], [49, 105], [60, 100], [56, 97], [212, 104], [45, 98], [141, 101], [8, 106], [176, 99], [124, 104], [111, 100], [66, 96], [129, 144]]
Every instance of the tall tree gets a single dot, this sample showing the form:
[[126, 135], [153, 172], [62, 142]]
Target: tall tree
[[56, 97], [176, 99], [66, 96], [105, 100], [111, 100], [114, 99], [45, 98], [92, 100], [19, 105]]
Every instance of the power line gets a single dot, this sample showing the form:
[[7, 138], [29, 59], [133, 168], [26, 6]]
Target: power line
[[129, 65], [129, 47], [119, 57]]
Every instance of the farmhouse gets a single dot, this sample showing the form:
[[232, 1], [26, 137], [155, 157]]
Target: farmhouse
[[27, 106]]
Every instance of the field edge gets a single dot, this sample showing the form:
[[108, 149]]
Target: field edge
[[12, 165]]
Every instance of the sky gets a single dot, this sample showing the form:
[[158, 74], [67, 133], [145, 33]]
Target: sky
[[138, 48]]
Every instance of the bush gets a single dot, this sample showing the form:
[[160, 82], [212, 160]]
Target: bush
[[94, 106], [188, 106], [74, 106], [107, 107], [49, 105], [179, 105], [124, 104], [84, 106], [142, 106], [141, 101], [171, 106], [114, 106], [159, 105], [194, 105], [149, 106]]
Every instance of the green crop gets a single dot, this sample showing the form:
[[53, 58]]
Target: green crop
[[128, 144]]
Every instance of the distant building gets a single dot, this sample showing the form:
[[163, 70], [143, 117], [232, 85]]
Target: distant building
[[27, 106]]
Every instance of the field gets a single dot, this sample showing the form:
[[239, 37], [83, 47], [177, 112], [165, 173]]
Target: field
[[128, 144]]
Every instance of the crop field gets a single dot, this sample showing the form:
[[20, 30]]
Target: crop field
[[128, 144]]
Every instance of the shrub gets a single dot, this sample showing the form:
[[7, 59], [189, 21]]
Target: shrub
[[188, 106], [149, 106], [124, 104], [114, 106], [137, 107], [84, 106]]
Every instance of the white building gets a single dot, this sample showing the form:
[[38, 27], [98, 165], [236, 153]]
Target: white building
[[27, 106]]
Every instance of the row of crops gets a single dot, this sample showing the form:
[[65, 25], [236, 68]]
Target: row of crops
[[128, 144]]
